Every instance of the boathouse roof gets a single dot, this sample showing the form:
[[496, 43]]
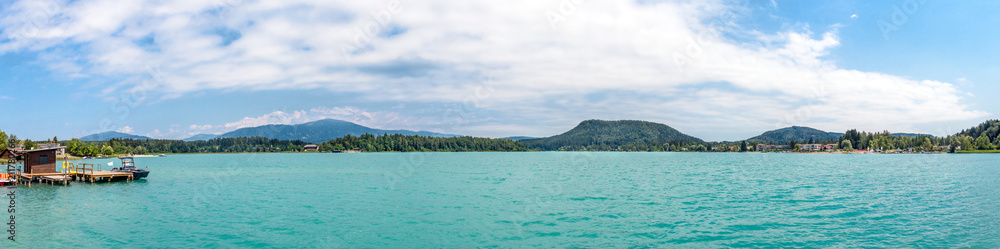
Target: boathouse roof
[[11, 151]]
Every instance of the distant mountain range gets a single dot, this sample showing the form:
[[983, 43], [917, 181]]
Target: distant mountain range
[[200, 137], [611, 134], [320, 131], [105, 136], [587, 133], [312, 132]]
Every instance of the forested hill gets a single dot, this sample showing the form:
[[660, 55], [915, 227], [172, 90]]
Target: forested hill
[[990, 129], [112, 135], [795, 133], [609, 135], [319, 131]]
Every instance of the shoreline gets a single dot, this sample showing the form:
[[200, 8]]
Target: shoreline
[[753, 152]]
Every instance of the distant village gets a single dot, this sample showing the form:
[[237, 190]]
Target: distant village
[[832, 148]]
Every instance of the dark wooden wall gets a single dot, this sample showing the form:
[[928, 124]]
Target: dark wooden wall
[[33, 164]]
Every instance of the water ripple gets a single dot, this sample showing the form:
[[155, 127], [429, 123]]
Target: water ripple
[[516, 200]]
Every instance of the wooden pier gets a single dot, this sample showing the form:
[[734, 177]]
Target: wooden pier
[[40, 165], [51, 178], [74, 172], [104, 175], [85, 172]]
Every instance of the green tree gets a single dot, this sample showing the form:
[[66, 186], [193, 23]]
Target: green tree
[[12, 141], [76, 147], [28, 144], [107, 150], [989, 143], [983, 143], [743, 146], [852, 136], [953, 145], [55, 139], [92, 150], [121, 149], [3, 140], [967, 143], [927, 145], [846, 145]]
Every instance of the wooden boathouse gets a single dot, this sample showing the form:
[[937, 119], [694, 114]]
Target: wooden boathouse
[[38, 161], [40, 165]]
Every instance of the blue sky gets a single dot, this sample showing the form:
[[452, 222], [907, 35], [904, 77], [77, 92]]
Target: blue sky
[[719, 70]]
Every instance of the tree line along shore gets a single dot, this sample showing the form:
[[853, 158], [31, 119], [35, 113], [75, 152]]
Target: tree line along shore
[[591, 135]]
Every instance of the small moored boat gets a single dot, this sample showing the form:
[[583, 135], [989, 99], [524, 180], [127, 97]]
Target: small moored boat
[[6, 179], [128, 166]]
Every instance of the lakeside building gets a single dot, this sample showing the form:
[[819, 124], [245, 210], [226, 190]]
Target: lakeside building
[[60, 150], [818, 147], [806, 147], [812, 147], [311, 147], [37, 161], [767, 147]]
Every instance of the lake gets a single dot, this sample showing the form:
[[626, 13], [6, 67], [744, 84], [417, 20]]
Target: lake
[[533, 199]]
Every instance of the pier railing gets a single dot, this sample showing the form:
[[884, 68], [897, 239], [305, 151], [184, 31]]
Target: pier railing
[[81, 168]]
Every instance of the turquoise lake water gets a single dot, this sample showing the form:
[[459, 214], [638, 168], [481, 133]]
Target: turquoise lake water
[[538, 199]]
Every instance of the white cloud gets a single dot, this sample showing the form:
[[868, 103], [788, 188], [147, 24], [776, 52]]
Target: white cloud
[[126, 129], [199, 127], [277, 117], [169, 134], [854, 16], [356, 115], [672, 53]]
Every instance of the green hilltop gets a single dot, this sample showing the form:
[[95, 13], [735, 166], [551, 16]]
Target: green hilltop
[[795, 133], [609, 135]]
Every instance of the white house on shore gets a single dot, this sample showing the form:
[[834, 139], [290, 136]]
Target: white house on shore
[[60, 150], [767, 147], [812, 147]]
